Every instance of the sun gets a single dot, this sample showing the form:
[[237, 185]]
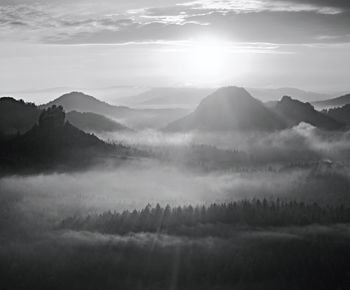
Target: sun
[[210, 61], [208, 58]]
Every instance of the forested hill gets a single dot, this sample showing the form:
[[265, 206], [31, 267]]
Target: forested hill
[[198, 220], [55, 143], [17, 116]]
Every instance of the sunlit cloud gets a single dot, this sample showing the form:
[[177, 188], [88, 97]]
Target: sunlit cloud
[[34, 23], [248, 6], [82, 23]]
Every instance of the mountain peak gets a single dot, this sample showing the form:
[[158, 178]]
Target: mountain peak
[[232, 93], [294, 112], [288, 102], [78, 101], [233, 90], [76, 94], [77, 97], [229, 108], [227, 97], [286, 99]]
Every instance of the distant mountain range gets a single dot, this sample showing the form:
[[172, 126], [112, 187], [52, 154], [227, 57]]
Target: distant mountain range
[[46, 138], [266, 94], [18, 117], [136, 118], [184, 97], [229, 108], [190, 97], [335, 102], [233, 108]]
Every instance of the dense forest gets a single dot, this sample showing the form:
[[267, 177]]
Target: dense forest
[[172, 220]]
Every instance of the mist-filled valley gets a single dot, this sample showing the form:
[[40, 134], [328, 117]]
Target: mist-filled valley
[[236, 194], [196, 168]]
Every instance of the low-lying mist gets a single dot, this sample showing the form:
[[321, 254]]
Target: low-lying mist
[[300, 164], [48, 198], [303, 139]]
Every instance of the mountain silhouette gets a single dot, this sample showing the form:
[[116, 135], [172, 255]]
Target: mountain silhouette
[[294, 112], [335, 102], [341, 114], [77, 101], [136, 118], [271, 94], [54, 142], [18, 117], [229, 108], [190, 97]]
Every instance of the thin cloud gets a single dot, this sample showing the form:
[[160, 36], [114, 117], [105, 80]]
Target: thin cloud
[[249, 6], [238, 21]]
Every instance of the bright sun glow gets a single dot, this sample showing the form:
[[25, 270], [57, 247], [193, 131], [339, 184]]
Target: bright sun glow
[[207, 56], [209, 59]]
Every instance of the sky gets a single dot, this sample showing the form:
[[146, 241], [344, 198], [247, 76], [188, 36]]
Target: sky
[[89, 44]]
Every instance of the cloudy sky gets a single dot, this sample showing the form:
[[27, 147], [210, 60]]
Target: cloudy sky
[[99, 44]]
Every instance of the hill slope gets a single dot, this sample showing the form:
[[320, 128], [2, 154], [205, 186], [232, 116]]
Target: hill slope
[[17, 116], [295, 112], [229, 108], [335, 102], [54, 143], [341, 114], [91, 122]]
